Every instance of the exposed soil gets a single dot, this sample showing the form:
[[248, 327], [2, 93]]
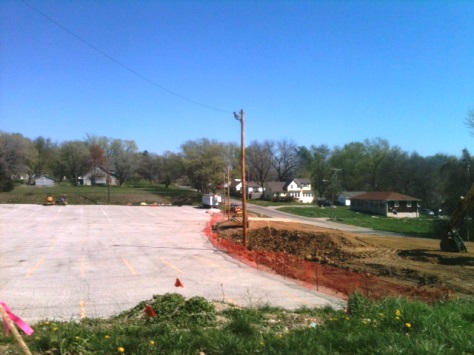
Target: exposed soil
[[393, 266]]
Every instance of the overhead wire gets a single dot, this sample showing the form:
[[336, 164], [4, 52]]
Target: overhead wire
[[124, 66]]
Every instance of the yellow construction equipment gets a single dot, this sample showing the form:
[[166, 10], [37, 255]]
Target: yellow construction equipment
[[61, 200], [49, 200]]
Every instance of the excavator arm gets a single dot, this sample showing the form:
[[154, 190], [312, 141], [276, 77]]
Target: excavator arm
[[452, 241]]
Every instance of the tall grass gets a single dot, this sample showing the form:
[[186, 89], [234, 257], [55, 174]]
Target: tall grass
[[390, 326]]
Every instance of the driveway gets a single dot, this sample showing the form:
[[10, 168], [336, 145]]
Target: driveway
[[70, 262]]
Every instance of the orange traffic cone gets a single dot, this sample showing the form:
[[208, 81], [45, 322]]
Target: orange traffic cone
[[178, 283], [149, 311]]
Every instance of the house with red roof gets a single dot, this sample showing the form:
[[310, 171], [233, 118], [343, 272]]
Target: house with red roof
[[389, 204]]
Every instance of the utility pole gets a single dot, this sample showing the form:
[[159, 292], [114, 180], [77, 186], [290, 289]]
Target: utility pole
[[467, 214], [228, 193], [240, 117], [334, 186]]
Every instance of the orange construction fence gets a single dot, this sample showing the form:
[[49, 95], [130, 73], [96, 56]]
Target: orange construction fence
[[324, 278]]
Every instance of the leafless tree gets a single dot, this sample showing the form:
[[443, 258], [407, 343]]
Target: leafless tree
[[259, 161], [285, 159]]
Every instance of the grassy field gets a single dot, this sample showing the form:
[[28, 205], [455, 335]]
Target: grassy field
[[195, 326], [92, 195], [418, 227]]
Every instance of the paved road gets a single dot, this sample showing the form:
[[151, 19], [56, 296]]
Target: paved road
[[273, 212], [70, 262]]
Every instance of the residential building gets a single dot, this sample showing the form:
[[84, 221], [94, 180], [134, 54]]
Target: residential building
[[345, 197], [299, 189], [389, 204], [44, 180], [98, 176]]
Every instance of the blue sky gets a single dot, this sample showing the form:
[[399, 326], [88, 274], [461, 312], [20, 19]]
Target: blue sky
[[314, 72]]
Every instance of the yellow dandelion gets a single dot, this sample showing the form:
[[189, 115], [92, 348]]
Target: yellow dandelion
[[398, 313], [55, 329], [120, 349], [78, 338], [107, 337], [397, 318], [408, 325], [152, 342]]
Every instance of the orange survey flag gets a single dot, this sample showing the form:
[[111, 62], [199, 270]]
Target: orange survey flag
[[178, 283], [149, 311]]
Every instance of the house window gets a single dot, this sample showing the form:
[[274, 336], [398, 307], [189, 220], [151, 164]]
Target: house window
[[408, 203], [396, 204]]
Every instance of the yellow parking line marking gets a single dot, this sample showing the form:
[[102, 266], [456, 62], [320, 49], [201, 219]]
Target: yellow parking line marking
[[83, 308], [130, 267], [83, 266], [172, 266], [211, 263], [33, 269]]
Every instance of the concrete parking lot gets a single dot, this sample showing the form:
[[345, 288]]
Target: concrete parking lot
[[70, 262]]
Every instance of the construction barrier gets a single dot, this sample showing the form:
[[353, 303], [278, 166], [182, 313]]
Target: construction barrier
[[320, 277]]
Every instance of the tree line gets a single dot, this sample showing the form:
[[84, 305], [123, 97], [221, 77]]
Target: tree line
[[371, 165]]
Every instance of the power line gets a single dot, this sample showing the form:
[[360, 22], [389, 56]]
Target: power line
[[124, 66]]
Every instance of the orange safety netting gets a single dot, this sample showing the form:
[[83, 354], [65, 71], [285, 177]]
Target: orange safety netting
[[324, 278]]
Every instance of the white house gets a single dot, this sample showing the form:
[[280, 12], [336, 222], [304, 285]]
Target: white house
[[254, 190], [44, 180], [299, 189], [98, 176]]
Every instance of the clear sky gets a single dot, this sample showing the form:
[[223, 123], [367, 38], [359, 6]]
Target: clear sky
[[164, 72]]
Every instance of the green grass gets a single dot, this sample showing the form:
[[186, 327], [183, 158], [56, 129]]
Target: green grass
[[390, 326], [134, 194], [418, 227]]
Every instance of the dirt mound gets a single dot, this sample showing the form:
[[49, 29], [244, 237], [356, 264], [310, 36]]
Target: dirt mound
[[391, 265]]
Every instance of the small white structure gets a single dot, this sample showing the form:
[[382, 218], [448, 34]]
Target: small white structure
[[345, 197], [211, 200], [98, 176], [44, 180]]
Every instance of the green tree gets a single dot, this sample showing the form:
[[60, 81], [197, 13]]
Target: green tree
[[75, 159], [351, 159], [315, 161], [124, 156], [18, 154], [375, 152], [205, 162], [172, 168], [46, 154]]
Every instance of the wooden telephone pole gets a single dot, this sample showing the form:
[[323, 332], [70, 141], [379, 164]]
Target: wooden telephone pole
[[241, 117]]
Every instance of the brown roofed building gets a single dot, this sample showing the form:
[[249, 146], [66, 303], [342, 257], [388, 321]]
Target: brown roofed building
[[389, 204]]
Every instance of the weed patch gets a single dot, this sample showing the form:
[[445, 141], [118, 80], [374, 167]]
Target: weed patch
[[389, 326]]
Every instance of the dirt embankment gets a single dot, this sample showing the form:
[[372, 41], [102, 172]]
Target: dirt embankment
[[394, 266]]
